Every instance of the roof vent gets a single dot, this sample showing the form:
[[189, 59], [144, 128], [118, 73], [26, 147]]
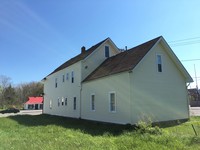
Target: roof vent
[[83, 49]]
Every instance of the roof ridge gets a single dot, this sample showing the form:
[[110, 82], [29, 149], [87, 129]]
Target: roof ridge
[[123, 61], [78, 57]]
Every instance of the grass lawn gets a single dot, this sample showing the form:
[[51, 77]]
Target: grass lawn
[[45, 132]]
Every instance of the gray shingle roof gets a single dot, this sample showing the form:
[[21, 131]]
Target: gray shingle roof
[[123, 61]]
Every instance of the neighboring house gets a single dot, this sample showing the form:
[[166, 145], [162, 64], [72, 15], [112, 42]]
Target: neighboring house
[[105, 84], [194, 97], [34, 103]]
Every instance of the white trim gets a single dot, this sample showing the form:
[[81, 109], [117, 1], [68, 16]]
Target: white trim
[[112, 92]]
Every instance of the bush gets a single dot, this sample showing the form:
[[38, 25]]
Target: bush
[[146, 127]]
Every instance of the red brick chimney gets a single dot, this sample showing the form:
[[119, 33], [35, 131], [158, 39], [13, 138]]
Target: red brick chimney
[[83, 49]]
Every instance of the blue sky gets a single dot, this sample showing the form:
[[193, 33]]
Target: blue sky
[[36, 36]]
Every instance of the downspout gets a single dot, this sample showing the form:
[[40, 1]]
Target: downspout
[[80, 100], [131, 96]]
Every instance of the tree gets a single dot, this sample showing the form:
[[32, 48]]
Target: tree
[[4, 83]]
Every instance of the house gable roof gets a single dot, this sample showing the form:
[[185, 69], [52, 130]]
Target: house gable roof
[[78, 57], [123, 61], [35, 100]]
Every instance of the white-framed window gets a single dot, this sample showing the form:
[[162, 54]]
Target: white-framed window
[[72, 75], [58, 101], [112, 102], [56, 82], [92, 102], [65, 101], [62, 101], [50, 104], [159, 62], [67, 76], [63, 78], [74, 103], [107, 52]]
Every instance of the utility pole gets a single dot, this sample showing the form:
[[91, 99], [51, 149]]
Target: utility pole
[[196, 77]]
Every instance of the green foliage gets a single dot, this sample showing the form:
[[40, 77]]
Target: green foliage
[[146, 127], [45, 132]]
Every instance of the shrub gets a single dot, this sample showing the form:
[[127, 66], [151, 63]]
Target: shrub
[[146, 127]]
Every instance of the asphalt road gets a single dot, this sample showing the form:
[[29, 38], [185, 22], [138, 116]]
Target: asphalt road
[[194, 111], [23, 112]]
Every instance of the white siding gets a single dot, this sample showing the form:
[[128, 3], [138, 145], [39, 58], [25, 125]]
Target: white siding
[[65, 89], [96, 58], [120, 85], [160, 95]]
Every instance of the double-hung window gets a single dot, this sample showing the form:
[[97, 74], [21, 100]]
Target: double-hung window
[[107, 53], [74, 103], [93, 102], [72, 74], [112, 100], [65, 101], [159, 62], [56, 82]]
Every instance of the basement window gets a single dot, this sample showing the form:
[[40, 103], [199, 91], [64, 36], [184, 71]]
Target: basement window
[[159, 63]]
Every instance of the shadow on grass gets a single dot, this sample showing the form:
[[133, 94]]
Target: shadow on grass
[[90, 127]]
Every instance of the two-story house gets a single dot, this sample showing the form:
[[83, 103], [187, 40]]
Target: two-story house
[[105, 84]]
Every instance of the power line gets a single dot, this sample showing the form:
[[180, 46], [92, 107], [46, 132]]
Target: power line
[[191, 60], [184, 40]]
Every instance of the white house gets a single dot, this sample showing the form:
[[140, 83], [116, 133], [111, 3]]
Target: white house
[[105, 84]]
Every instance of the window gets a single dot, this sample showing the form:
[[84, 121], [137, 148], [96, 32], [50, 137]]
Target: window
[[50, 104], [56, 82], [62, 102], [58, 101], [72, 76], [93, 102], [65, 101], [63, 78], [74, 103], [67, 76], [107, 51], [112, 102], [159, 63]]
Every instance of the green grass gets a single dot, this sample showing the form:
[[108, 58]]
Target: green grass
[[45, 132]]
